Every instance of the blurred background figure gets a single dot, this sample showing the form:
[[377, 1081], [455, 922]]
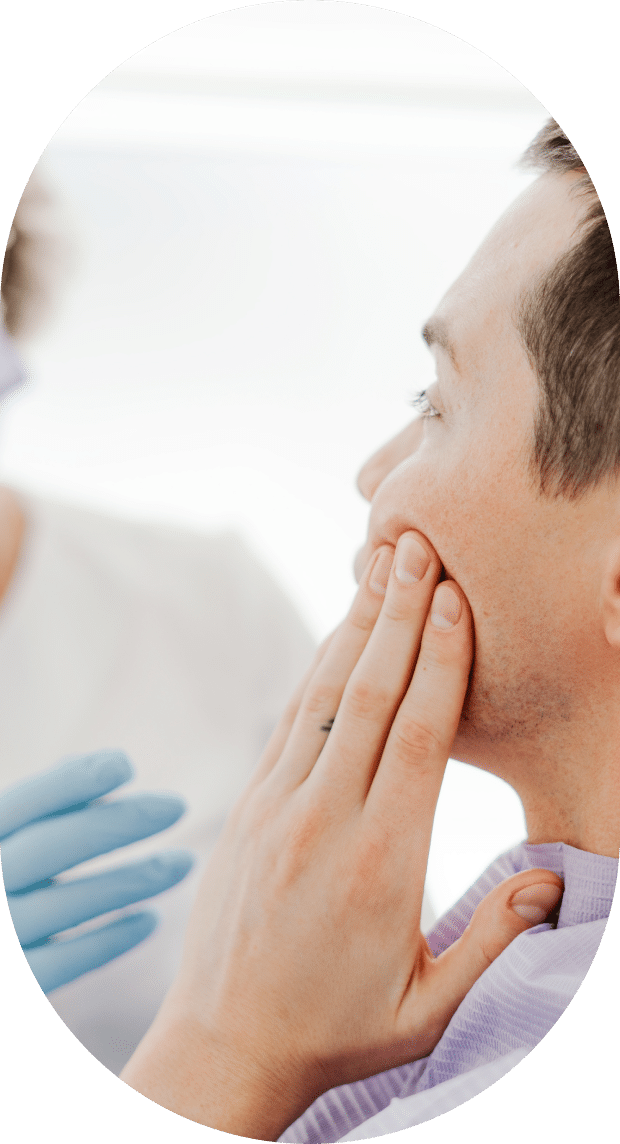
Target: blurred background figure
[[179, 646], [39, 260], [250, 203]]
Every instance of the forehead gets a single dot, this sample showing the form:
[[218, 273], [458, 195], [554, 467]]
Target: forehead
[[541, 225]]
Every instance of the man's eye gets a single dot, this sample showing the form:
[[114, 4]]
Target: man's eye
[[422, 405]]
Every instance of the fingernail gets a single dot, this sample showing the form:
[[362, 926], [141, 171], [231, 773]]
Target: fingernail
[[160, 808], [173, 864], [412, 560], [535, 902], [381, 572], [446, 607], [111, 765]]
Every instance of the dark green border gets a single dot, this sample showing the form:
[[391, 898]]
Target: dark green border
[[53, 53]]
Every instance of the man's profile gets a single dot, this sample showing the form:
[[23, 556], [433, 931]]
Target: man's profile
[[509, 486], [514, 477]]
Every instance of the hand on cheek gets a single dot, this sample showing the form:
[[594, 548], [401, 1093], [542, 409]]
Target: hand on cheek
[[304, 965]]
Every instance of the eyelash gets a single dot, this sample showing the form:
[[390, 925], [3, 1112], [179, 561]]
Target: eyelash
[[422, 405]]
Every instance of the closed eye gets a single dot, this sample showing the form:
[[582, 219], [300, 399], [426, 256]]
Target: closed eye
[[422, 405]]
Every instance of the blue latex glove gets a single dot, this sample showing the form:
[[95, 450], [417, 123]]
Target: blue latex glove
[[49, 824]]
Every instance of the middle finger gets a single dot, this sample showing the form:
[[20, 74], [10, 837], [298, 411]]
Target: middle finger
[[40, 913]]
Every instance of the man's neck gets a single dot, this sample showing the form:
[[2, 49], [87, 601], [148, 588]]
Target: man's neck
[[12, 526], [568, 783], [583, 810]]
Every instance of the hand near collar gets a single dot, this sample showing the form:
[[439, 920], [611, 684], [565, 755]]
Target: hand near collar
[[304, 965]]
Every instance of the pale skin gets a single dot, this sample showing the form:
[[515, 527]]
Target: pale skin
[[542, 576], [304, 964]]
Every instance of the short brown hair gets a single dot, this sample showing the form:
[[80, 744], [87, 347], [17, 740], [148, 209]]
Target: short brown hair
[[570, 325]]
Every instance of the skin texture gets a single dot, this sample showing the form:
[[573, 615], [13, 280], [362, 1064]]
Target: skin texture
[[304, 964], [541, 576]]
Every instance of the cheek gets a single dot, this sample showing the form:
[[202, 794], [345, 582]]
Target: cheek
[[470, 502], [473, 518], [443, 492], [434, 502]]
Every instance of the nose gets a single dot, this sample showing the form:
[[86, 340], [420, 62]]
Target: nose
[[380, 465]]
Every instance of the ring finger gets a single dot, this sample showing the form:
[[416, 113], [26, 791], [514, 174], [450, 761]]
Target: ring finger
[[323, 693]]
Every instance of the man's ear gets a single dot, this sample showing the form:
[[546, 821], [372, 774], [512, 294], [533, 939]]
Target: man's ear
[[610, 597]]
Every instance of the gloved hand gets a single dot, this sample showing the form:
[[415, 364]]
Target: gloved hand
[[52, 822]]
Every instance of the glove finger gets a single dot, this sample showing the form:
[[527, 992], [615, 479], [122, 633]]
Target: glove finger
[[44, 849], [40, 913], [59, 962], [69, 784]]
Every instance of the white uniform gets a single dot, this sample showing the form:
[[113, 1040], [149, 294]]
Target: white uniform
[[177, 647]]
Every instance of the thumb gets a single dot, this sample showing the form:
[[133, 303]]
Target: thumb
[[519, 902]]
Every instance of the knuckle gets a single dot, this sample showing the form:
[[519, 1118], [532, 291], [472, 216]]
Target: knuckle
[[366, 700], [489, 946], [363, 615], [362, 887], [437, 655], [369, 883], [321, 699], [415, 741], [294, 852], [400, 606]]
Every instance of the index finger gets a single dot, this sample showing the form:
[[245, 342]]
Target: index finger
[[72, 783], [407, 782]]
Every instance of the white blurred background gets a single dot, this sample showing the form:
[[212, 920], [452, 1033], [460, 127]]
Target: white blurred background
[[266, 206]]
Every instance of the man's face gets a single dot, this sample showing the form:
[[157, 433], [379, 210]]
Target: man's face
[[527, 565]]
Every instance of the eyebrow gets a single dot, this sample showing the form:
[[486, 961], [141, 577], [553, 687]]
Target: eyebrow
[[435, 332]]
